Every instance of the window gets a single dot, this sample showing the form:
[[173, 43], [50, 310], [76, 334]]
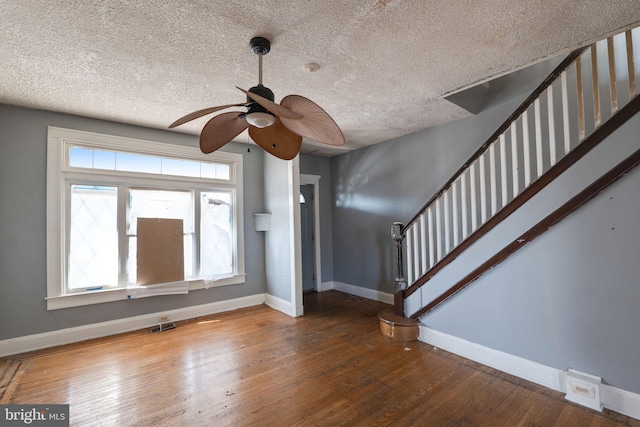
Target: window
[[99, 188]]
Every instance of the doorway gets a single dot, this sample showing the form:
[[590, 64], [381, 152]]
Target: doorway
[[307, 225]]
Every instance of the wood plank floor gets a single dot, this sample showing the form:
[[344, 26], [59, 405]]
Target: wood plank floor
[[259, 367]]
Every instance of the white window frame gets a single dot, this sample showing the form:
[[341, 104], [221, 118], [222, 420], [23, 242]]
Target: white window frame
[[59, 174]]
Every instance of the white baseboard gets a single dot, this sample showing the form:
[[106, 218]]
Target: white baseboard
[[96, 330], [615, 399], [367, 293], [281, 305], [325, 286], [621, 401]]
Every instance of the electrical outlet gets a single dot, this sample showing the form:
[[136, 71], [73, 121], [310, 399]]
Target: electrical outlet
[[163, 319]]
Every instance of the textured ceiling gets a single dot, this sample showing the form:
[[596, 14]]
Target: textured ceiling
[[384, 65]]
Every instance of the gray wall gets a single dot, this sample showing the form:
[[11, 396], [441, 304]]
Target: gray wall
[[321, 166], [23, 134], [567, 300]]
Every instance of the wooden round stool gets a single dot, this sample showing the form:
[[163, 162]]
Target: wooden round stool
[[398, 328]]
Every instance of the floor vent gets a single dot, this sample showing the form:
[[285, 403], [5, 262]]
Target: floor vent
[[162, 327], [583, 389]]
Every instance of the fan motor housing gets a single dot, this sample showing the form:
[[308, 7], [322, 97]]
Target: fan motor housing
[[264, 92]]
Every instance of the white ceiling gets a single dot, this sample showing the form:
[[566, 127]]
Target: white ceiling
[[385, 65]]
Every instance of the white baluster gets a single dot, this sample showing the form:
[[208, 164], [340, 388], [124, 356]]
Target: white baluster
[[552, 126], [416, 251], [581, 123], [423, 245], [483, 191], [597, 115], [526, 151], [474, 204], [538, 130], [447, 227], [503, 169], [493, 178], [454, 211], [514, 159], [432, 252], [409, 256], [438, 231], [630, 65], [612, 75], [565, 112], [463, 204]]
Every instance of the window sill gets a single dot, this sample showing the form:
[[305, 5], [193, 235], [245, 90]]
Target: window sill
[[120, 294]]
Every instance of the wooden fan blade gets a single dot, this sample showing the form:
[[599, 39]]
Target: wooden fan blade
[[277, 140], [220, 130], [276, 109], [315, 124], [203, 112]]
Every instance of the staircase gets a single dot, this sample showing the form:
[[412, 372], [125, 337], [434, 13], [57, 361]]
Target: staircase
[[583, 101]]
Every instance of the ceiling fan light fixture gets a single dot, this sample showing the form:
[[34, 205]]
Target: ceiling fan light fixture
[[276, 128], [260, 119]]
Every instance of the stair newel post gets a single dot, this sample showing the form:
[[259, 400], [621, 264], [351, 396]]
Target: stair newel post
[[400, 283]]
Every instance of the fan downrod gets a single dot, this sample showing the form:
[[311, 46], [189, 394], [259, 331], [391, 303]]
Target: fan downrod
[[260, 45]]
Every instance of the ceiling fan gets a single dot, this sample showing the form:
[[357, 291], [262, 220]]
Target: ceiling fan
[[277, 128]]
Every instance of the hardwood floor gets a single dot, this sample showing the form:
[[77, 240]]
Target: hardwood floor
[[257, 366]]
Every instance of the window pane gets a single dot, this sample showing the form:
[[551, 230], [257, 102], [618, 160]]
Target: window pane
[[132, 261], [160, 204], [104, 160], [188, 255], [93, 241], [137, 163], [222, 171], [215, 171], [80, 157], [208, 170], [215, 241], [180, 167]]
